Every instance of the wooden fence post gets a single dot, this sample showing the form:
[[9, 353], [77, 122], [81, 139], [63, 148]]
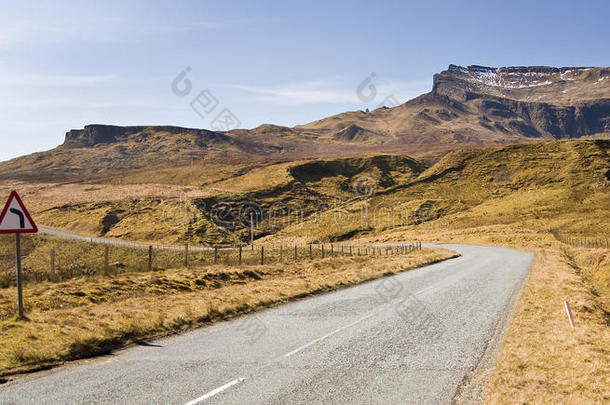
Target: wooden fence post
[[240, 255], [281, 252], [332, 250], [186, 255], [106, 259], [322, 246], [52, 269], [262, 255], [295, 253], [150, 254], [310, 255]]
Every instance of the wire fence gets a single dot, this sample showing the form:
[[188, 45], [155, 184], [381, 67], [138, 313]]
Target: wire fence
[[56, 259], [582, 241]]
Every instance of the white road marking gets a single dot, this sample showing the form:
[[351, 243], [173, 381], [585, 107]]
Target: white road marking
[[313, 342], [216, 391]]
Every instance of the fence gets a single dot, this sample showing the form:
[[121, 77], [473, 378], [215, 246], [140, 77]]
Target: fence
[[582, 241], [55, 259]]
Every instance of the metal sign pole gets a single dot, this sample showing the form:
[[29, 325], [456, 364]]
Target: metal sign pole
[[18, 268], [15, 218]]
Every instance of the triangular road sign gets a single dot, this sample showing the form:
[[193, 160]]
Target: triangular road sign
[[15, 218]]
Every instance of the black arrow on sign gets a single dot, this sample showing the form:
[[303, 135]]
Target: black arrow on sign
[[21, 217]]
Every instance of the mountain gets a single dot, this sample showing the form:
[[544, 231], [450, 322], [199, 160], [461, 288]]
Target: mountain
[[484, 105], [468, 107]]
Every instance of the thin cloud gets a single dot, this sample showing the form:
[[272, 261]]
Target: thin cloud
[[23, 32], [329, 92], [303, 93], [55, 80]]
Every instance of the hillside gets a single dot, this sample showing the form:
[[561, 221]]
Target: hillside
[[467, 108], [560, 186], [552, 185]]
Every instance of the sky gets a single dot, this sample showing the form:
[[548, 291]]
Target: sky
[[64, 65]]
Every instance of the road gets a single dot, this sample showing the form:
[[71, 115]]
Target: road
[[412, 338], [116, 242]]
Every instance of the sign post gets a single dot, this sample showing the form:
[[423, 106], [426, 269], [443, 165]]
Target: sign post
[[16, 219]]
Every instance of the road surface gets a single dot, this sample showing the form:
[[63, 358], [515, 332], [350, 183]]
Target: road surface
[[116, 242], [412, 338]]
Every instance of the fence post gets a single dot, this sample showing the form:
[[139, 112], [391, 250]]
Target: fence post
[[186, 255], [215, 254], [281, 252], [150, 253], [262, 255], [252, 230], [322, 251], [310, 255], [105, 259], [295, 253], [52, 269], [240, 255], [332, 250], [358, 250]]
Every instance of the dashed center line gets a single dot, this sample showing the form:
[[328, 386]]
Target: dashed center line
[[313, 342], [216, 391]]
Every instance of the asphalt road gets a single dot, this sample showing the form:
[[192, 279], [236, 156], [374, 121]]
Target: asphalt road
[[409, 338], [116, 242]]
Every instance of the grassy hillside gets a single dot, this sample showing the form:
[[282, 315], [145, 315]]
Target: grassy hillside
[[219, 213], [555, 186], [560, 186]]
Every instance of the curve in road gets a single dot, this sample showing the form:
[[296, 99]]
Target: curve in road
[[410, 338]]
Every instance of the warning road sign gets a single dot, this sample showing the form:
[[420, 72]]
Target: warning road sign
[[15, 218]]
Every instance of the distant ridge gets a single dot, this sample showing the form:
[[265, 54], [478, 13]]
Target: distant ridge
[[468, 107]]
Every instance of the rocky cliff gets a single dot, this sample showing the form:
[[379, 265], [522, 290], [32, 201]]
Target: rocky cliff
[[568, 102], [481, 105]]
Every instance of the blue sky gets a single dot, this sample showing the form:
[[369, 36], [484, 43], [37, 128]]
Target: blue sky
[[67, 64]]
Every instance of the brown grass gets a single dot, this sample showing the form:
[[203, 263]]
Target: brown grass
[[543, 360], [85, 317]]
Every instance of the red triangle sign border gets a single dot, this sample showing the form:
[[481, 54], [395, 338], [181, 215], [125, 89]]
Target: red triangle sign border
[[15, 196]]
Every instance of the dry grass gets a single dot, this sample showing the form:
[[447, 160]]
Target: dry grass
[[73, 259], [85, 317], [542, 359]]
